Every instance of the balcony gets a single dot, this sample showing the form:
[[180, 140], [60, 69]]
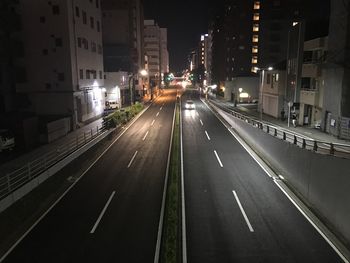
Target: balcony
[[311, 70], [309, 97]]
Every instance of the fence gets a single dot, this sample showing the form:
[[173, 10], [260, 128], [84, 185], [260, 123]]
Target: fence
[[322, 147], [14, 180]]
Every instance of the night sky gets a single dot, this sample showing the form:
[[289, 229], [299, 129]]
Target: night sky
[[185, 20]]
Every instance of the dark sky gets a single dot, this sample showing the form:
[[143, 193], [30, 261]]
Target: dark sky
[[185, 20]]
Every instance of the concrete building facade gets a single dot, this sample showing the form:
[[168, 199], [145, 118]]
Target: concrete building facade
[[336, 104], [68, 78]]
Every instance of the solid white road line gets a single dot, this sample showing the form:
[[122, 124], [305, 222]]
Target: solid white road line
[[144, 138], [206, 133], [243, 212], [161, 108], [161, 218], [157, 114], [302, 208], [201, 122], [102, 213], [183, 219], [71, 187], [217, 157], [153, 122], [132, 159]]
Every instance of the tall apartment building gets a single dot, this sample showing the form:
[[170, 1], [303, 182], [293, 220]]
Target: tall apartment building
[[122, 22], [64, 70], [164, 54], [153, 51], [236, 40]]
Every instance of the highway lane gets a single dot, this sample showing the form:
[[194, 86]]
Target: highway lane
[[234, 211], [112, 213]]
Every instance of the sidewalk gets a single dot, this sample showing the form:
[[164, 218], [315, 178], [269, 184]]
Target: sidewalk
[[304, 131]]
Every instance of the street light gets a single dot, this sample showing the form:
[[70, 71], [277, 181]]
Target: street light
[[261, 88]]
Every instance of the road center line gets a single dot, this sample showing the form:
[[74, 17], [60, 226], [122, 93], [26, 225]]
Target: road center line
[[144, 138], [243, 212], [157, 114], [206, 133], [102, 213], [132, 159], [201, 122], [153, 122], [217, 157]]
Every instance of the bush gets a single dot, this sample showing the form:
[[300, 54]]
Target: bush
[[122, 116]]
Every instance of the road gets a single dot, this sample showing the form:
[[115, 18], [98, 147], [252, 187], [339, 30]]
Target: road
[[111, 214], [234, 210]]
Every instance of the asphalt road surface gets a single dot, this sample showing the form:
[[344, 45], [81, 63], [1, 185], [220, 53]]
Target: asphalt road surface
[[234, 210], [112, 214]]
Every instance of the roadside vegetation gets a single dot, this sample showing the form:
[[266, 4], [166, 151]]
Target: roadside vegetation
[[122, 116], [171, 240]]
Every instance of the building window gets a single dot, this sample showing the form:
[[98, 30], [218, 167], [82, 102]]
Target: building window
[[255, 38], [255, 49], [256, 28], [58, 42], [84, 17], [60, 76], [92, 22], [98, 26], [254, 70], [256, 17], [94, 74], [77, 11], [87, 74], [99, 49], [101, 75], [256, 5], [81, 73], [268, 78], [42, 19], [254, 60], [55, 9], [93, 47]]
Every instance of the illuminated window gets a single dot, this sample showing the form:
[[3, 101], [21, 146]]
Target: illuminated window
[[255, 49], [295, 23], [254, 60], [256, 17], [255, 38], [256, 28], [254, 70], [256, 5]]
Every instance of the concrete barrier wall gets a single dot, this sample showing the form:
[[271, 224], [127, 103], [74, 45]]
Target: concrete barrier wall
[[25, 189], [322, 181]]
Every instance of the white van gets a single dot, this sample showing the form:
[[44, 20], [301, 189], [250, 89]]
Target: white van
[[111, 104], [7, 140]]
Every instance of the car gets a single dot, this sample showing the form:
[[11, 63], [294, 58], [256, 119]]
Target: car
[[190, 105]]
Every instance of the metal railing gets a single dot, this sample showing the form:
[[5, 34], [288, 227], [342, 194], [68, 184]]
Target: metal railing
[[17, 178], [322, 147]]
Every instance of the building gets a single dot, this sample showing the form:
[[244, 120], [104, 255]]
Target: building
[[64, 70], [272, 89], [122, 22], [164, 54], [336, 103], [157, 53], [312, 82], [235, 42]]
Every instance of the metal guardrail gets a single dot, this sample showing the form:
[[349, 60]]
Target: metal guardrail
[[322, 147], [13, 180]]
